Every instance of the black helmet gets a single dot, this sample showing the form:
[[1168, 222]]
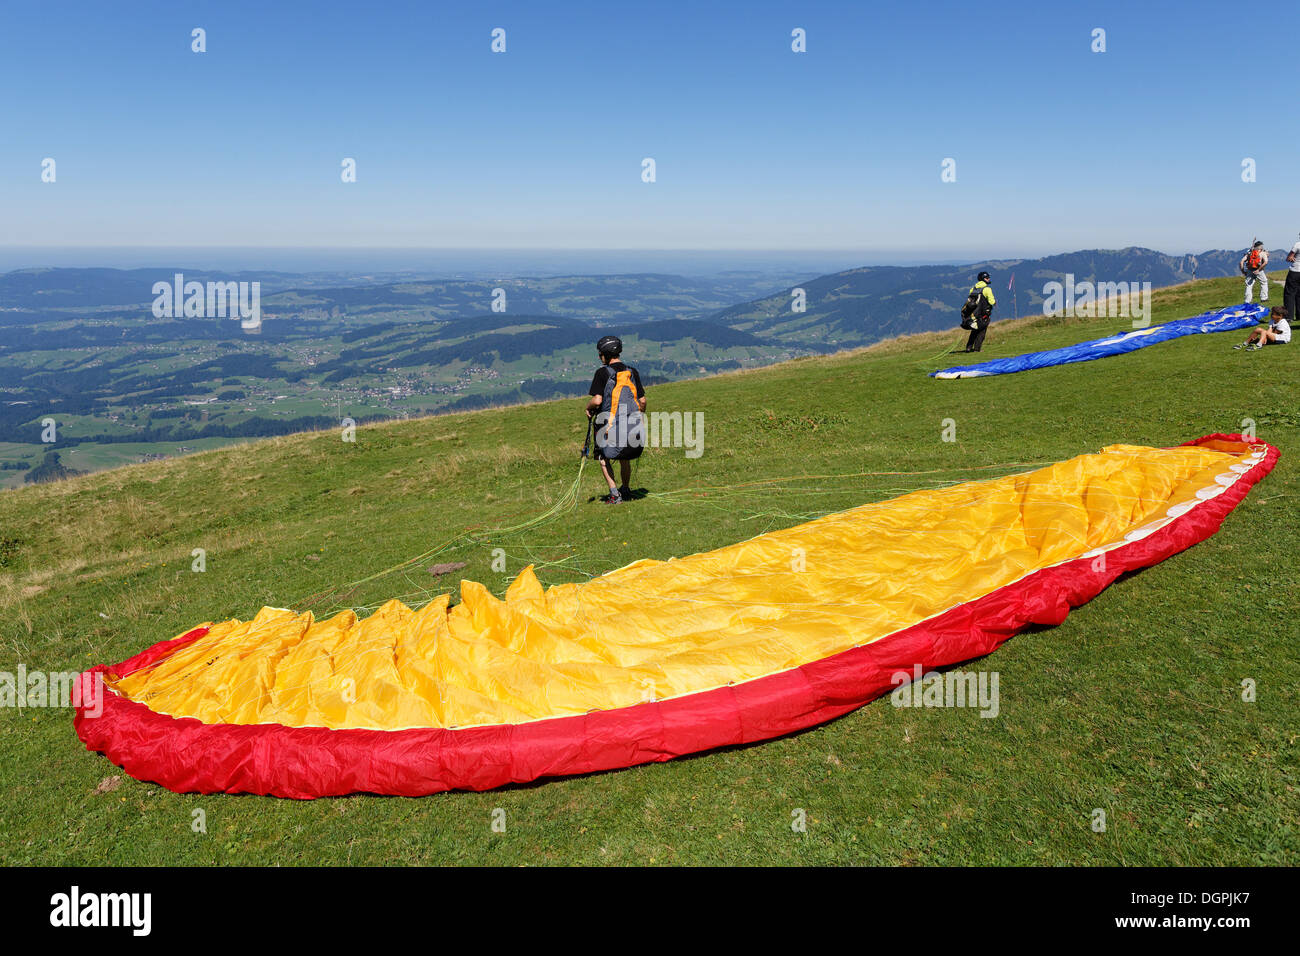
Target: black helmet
[[610, 345], [983, 277]]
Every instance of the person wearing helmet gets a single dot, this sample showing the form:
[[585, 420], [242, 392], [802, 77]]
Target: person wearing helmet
[[978, 312], [1252, 266], [1291, 291], [614, 388]]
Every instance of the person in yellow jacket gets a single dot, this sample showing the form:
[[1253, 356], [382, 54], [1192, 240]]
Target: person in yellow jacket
[[978, 312]]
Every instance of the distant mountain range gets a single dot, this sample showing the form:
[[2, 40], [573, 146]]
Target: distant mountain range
[[861, 306], [842, 309], [82, 346], [55, 293]]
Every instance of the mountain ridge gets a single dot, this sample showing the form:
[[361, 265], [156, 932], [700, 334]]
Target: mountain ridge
[[852, 307]]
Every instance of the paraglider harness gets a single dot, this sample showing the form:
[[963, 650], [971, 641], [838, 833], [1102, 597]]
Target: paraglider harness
[[620, 433], [970, 312]]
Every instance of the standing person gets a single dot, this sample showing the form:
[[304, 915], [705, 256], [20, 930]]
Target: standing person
[[1252, 266], [978, 312], [1291, 291], [617, 402]]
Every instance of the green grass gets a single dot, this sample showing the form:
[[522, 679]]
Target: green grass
[[1133, 705], [94, 456]]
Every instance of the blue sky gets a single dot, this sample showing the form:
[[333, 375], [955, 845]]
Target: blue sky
[[757, 147]]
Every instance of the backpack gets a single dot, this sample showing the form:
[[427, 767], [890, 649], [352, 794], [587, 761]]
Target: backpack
[[972, 304], [1255, 260], [620, 426]]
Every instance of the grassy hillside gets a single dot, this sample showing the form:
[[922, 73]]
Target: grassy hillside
[[1133, 705]]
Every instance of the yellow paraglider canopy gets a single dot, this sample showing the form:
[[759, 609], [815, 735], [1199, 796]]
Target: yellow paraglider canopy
[[660, 658], [656, 630]]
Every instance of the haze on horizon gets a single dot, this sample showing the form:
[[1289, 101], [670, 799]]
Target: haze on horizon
[[481, 263]]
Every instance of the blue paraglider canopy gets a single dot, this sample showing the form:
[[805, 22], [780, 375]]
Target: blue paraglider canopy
[[1219, 320]]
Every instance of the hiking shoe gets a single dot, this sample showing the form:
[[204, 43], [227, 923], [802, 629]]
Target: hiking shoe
[[1241, 346], [613, 498], [624, 491]]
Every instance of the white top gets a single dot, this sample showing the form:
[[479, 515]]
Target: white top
[[1295, 263], [1282, 328]]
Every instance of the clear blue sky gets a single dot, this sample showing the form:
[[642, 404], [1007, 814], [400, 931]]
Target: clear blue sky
[[1057, 148]]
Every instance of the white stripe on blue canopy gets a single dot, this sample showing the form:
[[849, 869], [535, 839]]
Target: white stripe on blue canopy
[[1219, 320]]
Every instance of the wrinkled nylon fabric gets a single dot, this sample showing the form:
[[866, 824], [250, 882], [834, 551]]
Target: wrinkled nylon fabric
[[657, 630], [1218, 320]]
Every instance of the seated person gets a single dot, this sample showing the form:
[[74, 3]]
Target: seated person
[[1277, 333]]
